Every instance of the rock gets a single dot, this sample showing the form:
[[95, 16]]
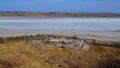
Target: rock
[[52, 40], [63, 42], [66, 42], [83, 45], [34, 42], [55, 40], [71, 45]]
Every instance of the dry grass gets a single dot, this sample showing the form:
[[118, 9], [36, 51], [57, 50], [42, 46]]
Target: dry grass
[[20, 54]]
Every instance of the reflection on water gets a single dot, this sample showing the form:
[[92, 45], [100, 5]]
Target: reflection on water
[[60, 23]]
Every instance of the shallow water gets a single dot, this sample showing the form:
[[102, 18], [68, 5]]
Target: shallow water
[[60, 23]]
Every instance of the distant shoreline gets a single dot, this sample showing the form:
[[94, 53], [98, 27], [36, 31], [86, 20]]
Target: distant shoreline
[[58, 14]]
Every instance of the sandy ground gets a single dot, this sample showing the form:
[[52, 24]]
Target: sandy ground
[[84, 34]]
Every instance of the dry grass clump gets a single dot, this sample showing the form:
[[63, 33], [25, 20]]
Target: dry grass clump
[[20, 54]]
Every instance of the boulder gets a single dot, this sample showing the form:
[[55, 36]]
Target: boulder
[[71, 45], [52, 40], [34, 42], [83, 45]]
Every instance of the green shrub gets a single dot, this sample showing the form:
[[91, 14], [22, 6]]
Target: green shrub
[[1, 40], [17, 38]]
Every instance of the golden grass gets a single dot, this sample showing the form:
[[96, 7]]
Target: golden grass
[[20, 54]]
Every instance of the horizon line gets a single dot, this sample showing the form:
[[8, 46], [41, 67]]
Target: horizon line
[[62, 12]]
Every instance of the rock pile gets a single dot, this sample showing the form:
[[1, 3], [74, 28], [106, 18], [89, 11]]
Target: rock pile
[[64, 42]]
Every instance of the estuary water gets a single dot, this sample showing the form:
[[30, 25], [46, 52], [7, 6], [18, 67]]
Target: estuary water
[[61, 23]]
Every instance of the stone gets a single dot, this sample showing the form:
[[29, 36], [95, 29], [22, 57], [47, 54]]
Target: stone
[[52, 40], [85, 47], [34, 42], [71, 45]]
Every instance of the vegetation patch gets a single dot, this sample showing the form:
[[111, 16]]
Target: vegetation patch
[[16, 52]]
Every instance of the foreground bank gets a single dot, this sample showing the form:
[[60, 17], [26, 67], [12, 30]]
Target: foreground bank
[[17, 52]]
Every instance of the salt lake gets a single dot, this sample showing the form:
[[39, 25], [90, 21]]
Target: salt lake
[[61, 23]]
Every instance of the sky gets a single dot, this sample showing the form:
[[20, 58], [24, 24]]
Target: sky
[[98, 6]]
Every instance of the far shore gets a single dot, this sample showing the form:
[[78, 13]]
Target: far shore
[[83, 34], [58, 14]]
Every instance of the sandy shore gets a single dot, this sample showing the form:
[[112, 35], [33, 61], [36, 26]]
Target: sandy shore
[[84, 34]]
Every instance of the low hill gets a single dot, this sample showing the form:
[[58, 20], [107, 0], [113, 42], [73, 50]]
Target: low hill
[[58, 14]]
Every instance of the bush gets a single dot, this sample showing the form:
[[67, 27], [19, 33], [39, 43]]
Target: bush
[[5, 64], [1, 40], [17, 38], [108, 61]]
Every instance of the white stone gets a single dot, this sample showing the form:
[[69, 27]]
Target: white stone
[[34, 42], [79, 44]]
